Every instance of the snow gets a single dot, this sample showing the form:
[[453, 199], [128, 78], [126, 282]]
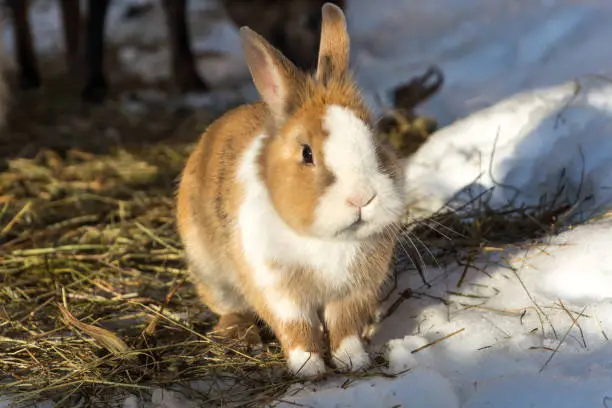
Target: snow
[[528, 142], [416, 391], [522, 107]]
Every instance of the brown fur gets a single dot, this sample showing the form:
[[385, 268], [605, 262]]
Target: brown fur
[[239, 326], [209, 198]]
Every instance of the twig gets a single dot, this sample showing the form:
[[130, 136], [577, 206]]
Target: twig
[[406, 294], [15, 219], [416, 350], [532, 299], [465, 269], [574, 320], [577, 325]]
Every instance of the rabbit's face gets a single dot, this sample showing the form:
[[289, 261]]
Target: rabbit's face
[[328, 176]]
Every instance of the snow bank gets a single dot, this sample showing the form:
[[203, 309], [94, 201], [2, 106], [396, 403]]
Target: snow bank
[[525, 146], [488, 50]]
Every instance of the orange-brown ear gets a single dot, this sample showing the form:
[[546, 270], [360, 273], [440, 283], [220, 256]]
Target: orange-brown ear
[[335, 44], [275, 77]]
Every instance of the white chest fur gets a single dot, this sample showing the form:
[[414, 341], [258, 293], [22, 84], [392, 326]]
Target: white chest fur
[[266, 237]]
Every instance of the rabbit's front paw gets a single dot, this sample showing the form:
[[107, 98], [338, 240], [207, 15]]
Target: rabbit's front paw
[[305, 364], [351, 355]]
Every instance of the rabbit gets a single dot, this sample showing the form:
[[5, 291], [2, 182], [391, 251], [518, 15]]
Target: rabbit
[[288, 208]]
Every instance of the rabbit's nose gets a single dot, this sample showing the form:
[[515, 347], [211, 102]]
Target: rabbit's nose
[[361, 200]]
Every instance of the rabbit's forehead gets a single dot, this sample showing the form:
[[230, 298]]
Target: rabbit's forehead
[[349, 148]]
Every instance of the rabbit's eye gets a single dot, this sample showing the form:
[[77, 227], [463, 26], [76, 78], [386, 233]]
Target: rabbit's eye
[[307, 155]]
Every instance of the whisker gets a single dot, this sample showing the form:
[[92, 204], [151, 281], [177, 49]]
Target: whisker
[[426, 248], [446, 227], [393, 232], [434, 229], [421, 266]]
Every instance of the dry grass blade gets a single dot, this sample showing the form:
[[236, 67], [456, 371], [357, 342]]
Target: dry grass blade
[[416, 350], [574, 321], [15, 219], [105, 338]]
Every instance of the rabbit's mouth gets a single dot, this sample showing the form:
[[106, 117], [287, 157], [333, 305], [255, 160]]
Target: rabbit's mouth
[[352, 229], [356, 224], [364, 228]]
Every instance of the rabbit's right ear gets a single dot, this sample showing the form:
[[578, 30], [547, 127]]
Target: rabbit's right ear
[[274, 76], [334, 46]]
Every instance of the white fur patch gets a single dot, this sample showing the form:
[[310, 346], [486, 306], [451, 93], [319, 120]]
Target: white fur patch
[[266, 237], [286, 309], [305, 364], [349, 149], [350, 154], [351, 355]]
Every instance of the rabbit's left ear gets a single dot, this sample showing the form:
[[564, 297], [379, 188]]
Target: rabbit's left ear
[[335, 44], [275, 77]]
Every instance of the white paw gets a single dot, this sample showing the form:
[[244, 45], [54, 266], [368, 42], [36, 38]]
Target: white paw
[[351, 356], [305, 364]]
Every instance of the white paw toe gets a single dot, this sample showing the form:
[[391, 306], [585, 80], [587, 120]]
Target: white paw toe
[[305, 364], [351, 355]]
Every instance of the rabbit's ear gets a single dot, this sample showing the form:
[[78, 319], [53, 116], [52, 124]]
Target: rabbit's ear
[[275, 77], [334, 47]]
